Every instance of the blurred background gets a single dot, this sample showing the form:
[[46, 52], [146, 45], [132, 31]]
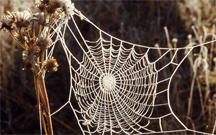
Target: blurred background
[[140, 22]]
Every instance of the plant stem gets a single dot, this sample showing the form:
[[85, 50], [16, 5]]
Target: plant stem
[[16, 40], [46, 101], [41, 112], [44, 97]]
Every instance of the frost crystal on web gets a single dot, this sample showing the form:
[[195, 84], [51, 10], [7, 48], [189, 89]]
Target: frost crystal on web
[[116, 86]]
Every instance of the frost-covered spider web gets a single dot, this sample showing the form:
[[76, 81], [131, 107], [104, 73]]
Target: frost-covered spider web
[[117, 85]]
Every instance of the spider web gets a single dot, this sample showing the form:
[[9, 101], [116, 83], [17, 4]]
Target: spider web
[[117, 85]]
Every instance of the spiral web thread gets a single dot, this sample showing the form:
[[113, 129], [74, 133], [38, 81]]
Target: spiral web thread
[[116, 87]]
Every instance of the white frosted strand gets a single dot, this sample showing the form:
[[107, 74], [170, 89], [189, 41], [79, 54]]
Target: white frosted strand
[[117, 119], [136, 73], [110, 58], [121, 51], [127, 115], [137, 62], [83, 41], [59, 109], [105, 110], [141, 104], [199, 132], [67, 52], [50, 53], [174, 55], [96, 47], [164, 132], [141, 109], [174, 63], [166, 115], [148, 92], [142, 46], [118, 57], [132, 92], [88, 94], [92, 109], [86, 68], [102, 49], [92, 105], [88, 41], [161, 91], [115, 88], [168, 97], [71, 84], [79, 103], [84, 71], [125, 61], [53, 46], [161, 129], [76, 116], [110, 119], [164, 67], [100, 121], [82, 48]]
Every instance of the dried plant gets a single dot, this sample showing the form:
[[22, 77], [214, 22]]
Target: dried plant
[[22, 27]]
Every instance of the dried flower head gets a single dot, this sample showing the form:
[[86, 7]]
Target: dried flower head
[[22, 37], [174, 40], [7, 22], [23, 19], [17, 36], [68, 7], [53, 5], [29, 55], [44, 41], [39, 17], [40, 5], [50, 65]]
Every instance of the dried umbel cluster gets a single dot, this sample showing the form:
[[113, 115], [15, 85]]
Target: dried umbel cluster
[[21, 26]]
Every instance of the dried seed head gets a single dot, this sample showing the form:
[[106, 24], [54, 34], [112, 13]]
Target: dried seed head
[[189, 36], [7, 22], [23, 18], [39, 17], [18, 36], [50, 65], [22, 37], [68, 7], [43, 42], [174, 40], [30, 54], [25, 55], [53, 5], [41, 6]]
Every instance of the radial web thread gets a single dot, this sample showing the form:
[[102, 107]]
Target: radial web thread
[[117, 84]]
